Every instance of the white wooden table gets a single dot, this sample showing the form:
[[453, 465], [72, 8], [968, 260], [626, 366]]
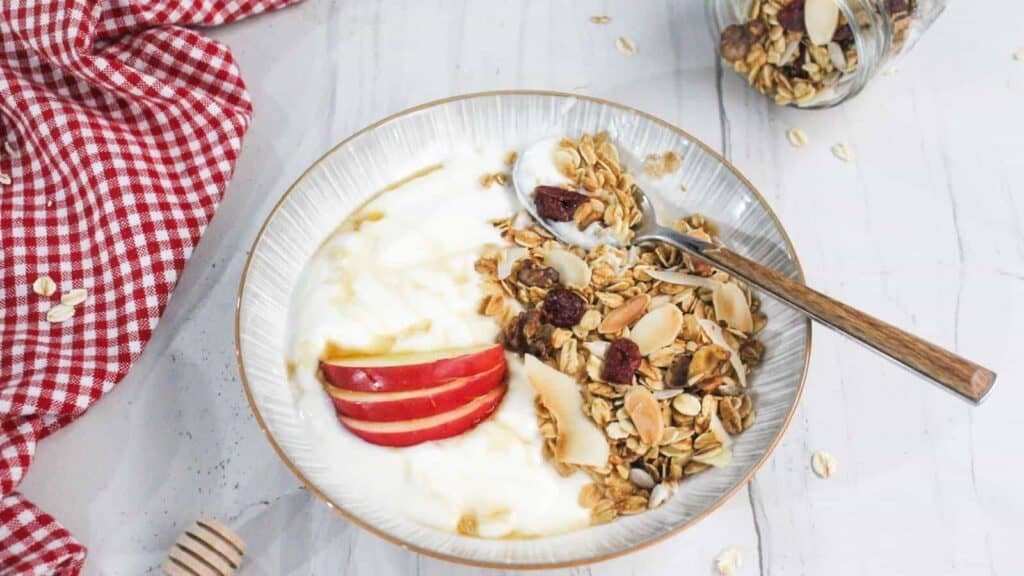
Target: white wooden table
[[925, 229]]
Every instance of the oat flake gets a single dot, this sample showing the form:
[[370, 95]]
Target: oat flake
[[728, 561], [797, 137], [626, 46], [74, 297], [600, 19], [60, 313], [843, 152], [1019, 55], [824, 464], [5, 179], [44, 286]]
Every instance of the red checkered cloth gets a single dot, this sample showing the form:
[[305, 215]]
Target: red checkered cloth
[[119, 129]]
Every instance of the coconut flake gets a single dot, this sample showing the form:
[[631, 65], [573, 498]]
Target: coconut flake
[[714, 332], [681, 279], [657, 329], [507, 258], [731, 306], [572, 270]]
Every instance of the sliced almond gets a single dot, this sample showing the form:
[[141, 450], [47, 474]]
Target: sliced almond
[[74, 297], [657, 329], [572, 270], [579, 440], [645, 412], [731, 306], [60, 313], [625, 315], [714, 332], [821, 18], [44, 286], [682, 279], [507, 258], [686, 404]]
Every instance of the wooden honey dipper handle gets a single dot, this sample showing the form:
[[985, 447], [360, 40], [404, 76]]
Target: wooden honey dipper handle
[[205, 548]]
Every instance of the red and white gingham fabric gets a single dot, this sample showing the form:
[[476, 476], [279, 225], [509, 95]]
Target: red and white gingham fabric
[[124, 128]]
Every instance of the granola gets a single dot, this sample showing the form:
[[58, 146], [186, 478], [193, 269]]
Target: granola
[[799, 51], [626, 324]]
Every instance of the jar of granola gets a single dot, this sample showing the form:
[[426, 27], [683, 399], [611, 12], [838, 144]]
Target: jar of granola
[[816, 53]]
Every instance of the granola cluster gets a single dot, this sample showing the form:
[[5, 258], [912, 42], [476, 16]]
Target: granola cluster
[[660, 343], [798, 51], [601, 192]]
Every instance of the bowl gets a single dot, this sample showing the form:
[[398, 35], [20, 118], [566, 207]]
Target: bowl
[[354, 170]]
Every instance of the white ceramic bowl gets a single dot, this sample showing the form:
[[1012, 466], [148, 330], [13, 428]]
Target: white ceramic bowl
[[376, 156]]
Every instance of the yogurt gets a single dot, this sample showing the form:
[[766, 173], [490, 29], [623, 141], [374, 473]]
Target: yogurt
[[399, 277]]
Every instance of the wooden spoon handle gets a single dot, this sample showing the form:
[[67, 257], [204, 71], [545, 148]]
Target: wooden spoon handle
[[967, 379]]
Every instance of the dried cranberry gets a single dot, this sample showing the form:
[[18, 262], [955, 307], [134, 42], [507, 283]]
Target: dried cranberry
[[843, 34], [791, 17], [621, 361], [563, 308], [557, 204], [532, 274]]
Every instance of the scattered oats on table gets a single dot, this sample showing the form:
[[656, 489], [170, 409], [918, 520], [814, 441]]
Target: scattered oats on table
[[652, 317], [625, 45], [74, 297], [44, 286], [824, 464], [843, 152], [797, 137], [60, 313], [728, 561]]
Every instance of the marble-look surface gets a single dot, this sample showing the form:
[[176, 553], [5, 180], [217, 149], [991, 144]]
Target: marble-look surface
[[925, 229]]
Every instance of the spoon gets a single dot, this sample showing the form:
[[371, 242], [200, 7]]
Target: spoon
[[966, 379]]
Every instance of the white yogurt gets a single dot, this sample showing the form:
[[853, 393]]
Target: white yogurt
[[405, 281]]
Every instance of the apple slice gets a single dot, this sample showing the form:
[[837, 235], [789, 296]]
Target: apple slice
[[444, 425], [579, 440], [402, 372], [410, 404]]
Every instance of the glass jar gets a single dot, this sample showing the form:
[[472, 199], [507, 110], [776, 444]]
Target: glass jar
[[769, 43]]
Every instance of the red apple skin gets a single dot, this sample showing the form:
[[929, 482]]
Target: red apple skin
[[399, 378], [392, 406], [411, 432]]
